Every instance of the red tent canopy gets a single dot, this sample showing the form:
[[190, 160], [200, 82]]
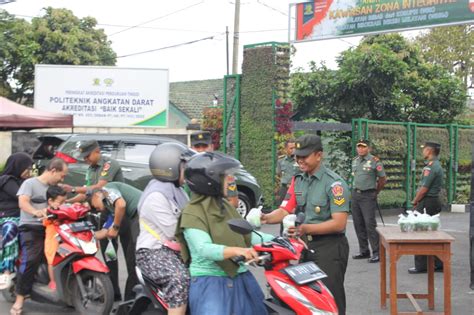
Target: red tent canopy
[[15, 116]]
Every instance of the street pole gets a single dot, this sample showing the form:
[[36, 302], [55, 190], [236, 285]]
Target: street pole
[[471, 228], [235, 52], [227, 47]]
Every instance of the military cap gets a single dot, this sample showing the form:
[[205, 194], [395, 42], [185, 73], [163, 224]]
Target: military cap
[[363, 142], [307, 144], [431, 145], [200, 137], [86, 148]]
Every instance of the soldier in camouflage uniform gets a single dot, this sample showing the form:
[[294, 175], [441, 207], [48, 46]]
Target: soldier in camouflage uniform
[[369, 180], [427, 197]]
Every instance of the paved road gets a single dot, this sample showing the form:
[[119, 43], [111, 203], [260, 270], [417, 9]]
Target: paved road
[[362, 278]]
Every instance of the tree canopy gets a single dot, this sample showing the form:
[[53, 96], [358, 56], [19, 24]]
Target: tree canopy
[[57, 37], [452, 48], [384, 78]]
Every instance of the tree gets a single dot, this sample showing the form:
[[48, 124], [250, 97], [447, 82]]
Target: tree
[[58, 37], [384, 78], [313, 92], [452, 48]]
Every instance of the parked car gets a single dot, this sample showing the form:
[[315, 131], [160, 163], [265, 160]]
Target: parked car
[[132, 152]]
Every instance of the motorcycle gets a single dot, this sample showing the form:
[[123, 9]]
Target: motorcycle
[[148, 299], [81, 278], [293, 288]]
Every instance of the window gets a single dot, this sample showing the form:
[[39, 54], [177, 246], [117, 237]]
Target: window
[[138, 152], [107, 148]]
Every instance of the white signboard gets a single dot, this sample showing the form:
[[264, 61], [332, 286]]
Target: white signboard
[[100, 96]]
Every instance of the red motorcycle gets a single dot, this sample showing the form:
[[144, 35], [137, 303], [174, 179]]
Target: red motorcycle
[[81, 278], [294, 288]]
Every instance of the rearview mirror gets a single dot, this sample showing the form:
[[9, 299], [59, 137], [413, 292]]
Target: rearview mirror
[[240, 226]]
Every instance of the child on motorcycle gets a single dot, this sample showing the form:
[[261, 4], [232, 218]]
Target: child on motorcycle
[[56, 196], [218, 285]]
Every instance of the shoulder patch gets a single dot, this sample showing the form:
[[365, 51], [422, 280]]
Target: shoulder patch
[[338, 193], [426, 172], [379, 167]]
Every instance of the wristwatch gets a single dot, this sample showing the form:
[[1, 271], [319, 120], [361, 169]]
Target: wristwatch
[[116, 227]]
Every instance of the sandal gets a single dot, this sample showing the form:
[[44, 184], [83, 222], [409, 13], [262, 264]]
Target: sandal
[[15, 310]]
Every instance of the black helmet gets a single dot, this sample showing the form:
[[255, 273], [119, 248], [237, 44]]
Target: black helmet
[[204, 172], [166, 159]]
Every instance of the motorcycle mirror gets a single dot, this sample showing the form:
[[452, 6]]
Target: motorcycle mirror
[[240, 226], [38, 200]]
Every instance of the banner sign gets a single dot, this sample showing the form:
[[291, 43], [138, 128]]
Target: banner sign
[[323, 19], [100, 96]]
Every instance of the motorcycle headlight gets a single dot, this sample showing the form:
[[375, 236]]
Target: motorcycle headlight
[[301, 298], [89, 248]]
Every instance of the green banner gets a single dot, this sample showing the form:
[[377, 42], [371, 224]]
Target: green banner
[[323, 19]]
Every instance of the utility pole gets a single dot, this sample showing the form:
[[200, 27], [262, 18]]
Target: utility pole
[[227, 47], [235, 52]]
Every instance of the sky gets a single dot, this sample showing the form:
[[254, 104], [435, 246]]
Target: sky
[[175, 22]]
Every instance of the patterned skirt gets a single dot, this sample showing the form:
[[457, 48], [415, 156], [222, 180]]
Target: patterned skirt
[[8, 243], [164, 267]]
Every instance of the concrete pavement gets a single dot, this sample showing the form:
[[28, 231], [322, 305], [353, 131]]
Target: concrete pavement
[[362, 278]]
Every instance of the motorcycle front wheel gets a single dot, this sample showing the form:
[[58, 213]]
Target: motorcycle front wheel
[[99, 293]]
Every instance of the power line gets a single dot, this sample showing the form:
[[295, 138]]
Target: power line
[[168, 47], [163, 28], [157, 28], [155, 19], [273, 8]]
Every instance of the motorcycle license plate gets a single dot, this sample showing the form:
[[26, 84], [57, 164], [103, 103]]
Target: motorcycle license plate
[[304, 273]]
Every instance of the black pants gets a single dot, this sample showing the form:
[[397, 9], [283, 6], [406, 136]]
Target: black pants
[[331, 253], [128, 233], [433, 206], [364, 206], [31, 255]]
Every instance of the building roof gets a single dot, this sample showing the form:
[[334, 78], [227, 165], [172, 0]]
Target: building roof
[[191, 96]]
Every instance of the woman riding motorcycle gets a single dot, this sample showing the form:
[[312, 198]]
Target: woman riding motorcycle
[[159, 208], [218, 285]]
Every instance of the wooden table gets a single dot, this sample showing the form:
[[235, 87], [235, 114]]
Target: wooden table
[[397, 244]]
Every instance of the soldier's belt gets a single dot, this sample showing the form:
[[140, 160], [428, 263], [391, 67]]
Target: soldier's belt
[[364, 191], [319, 237]]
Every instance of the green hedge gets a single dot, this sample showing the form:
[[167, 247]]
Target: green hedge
[[265, 69]]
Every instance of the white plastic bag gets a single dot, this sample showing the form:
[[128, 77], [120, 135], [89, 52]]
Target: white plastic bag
[[110, 253], [288, 221], [253, 217], [435, 222], [404, 223]]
